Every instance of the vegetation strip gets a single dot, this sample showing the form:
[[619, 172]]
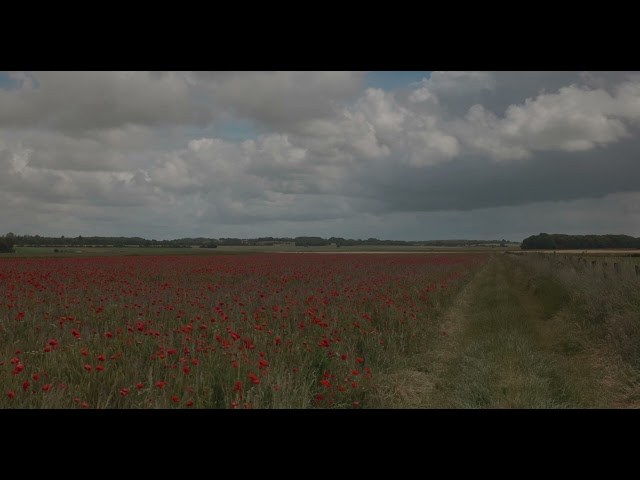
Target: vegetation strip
[[515, 343]]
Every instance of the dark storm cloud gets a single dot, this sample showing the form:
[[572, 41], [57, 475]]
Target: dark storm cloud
[[474, 182]]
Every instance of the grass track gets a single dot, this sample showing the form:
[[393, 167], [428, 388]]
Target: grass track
[[512, 344]]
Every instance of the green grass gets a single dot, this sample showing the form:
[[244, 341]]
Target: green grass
[[515, 339], [502, 363]]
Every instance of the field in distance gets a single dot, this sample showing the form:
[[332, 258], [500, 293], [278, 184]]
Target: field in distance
[[28, 252]]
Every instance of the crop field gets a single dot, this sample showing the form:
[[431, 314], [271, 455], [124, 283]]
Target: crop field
[[217, 331]]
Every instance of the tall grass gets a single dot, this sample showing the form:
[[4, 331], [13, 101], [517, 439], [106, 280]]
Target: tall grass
[[601, 296]]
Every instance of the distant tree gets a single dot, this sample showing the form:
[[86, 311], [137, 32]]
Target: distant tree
[[6, 244]]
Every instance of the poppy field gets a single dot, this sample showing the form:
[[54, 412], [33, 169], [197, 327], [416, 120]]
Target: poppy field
[[238, 331]]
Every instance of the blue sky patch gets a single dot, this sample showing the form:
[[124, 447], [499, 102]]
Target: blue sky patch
[[7, 83], [390, 80]]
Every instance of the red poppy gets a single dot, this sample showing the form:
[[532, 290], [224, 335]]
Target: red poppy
[[124, 392], [25, 385], [360, 360], [11, 394], [99, 368], [175, 399], [46, 387], [36, 376], [160, 384], [186, 370], [47, 349], [254, 378], [101, 358], [140, 385], [189, 403], [88, 367]]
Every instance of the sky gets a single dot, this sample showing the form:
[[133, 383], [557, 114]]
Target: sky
[[391, 155]]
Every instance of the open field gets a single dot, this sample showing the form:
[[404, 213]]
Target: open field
[[394, 330], [221, 331], [621, 252], [66, 252]]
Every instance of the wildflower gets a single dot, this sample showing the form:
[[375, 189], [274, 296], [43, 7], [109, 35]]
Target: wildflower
[[124, 392], [11, 394]]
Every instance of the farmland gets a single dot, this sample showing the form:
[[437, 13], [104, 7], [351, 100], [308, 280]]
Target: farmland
[[217, 331], [245, 329]]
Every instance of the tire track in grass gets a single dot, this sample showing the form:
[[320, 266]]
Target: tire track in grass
[[508, 346], [493, 355]]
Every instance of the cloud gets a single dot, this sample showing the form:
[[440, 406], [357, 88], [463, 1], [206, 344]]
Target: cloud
[[81, 101], [447, 156]]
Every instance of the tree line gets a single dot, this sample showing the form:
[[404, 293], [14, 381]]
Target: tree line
[[560, 241], [8, 241]]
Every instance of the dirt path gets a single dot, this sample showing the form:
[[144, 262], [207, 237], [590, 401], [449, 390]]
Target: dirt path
[[503, 348]]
